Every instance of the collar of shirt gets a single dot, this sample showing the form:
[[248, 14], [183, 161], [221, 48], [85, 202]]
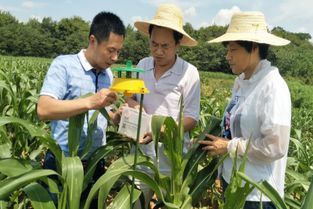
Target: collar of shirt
[[84, 62], [243, 87], [262, 69], [177, 68]]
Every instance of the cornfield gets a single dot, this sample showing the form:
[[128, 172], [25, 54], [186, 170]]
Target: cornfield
[[24, 138]]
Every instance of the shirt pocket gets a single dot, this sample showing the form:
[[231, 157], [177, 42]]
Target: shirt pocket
[[79, 87]]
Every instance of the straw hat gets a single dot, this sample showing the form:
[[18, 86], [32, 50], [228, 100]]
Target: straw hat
[[250, 26], [169, 16]]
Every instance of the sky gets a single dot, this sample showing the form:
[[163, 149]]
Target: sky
[[292, 15]]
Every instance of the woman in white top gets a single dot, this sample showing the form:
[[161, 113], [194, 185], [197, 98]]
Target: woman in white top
[[260, 108]]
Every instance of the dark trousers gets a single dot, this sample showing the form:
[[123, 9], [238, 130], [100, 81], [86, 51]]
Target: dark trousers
[[50, 163], [252, 204]]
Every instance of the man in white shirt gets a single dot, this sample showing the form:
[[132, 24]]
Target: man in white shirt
[[167, 76]]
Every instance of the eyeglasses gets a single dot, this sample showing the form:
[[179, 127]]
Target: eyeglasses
[[164, 47]]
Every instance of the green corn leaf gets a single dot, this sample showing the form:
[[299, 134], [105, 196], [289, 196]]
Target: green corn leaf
[[34, 153], [308, 201], [101, 202], [103, 152], [92, 124], [9, 185], [73, 173], [235, 194], [191, 161], [52, 184], [173, 152], [105, 114], [123, 167], [63, 202], [75, 128], [266, 189], [7, 87], [157, 122], [299, 180], [99, 154], [122, 200], [39, 197], [204, 179], [4, 204], [291, 202], [5, 150], [33, 130], [196, 154], [13, 167], [106, 181], [212, 127], [179, 141]]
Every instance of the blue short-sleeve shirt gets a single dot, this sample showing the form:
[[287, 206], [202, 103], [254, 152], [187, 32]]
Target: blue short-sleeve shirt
[[70, 77]]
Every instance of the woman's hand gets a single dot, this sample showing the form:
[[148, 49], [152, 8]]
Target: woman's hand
[[214, 145]]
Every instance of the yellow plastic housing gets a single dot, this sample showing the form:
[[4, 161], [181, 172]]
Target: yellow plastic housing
[[129, 86]]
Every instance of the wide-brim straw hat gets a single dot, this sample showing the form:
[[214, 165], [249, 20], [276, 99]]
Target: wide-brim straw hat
[[168, 16], [250, 26]]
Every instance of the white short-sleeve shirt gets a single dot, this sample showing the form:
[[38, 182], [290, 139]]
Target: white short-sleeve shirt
[[164, 97]]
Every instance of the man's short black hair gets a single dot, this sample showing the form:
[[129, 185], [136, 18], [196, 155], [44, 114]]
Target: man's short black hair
[[249, 45], [177, 36], [104, 23]]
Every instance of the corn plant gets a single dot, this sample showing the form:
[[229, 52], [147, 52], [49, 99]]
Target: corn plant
[[188, 180], [267, 189], [211, 105], [17, 175], [23, 139], [20, 81], [241, 185], [25, 178], [299, 171]]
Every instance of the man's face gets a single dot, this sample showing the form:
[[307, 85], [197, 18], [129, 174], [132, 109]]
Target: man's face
[[105, 53], [162, 46]]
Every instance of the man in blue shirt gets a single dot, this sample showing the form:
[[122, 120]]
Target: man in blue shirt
[[72, 76]]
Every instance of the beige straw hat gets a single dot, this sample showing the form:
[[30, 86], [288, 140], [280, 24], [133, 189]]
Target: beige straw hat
[[169, 16], [250, 26]]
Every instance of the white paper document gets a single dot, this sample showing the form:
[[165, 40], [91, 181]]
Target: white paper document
[[129, 123]]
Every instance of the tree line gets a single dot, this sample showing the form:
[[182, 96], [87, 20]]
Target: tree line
[[49, 38]]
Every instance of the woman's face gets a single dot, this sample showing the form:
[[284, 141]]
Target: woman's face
[[240, 60]]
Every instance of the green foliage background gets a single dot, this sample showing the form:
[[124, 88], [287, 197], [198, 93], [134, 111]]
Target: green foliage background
[[50, 38]]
